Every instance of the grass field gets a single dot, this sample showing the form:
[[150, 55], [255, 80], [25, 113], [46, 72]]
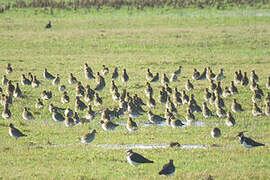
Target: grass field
[[159, 39]]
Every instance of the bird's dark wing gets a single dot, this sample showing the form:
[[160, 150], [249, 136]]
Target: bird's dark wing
[[139, 158], [253, 143], [167, 168], [18, 132]]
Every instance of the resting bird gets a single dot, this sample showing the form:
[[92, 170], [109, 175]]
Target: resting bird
[[136, 159], [89, 137], [14, 132], [168, 169], [248, 142], [49, 25]]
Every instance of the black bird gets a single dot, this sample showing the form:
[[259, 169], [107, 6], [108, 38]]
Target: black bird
[[136, 159], [248, 142], [168, 169], [49, 25]]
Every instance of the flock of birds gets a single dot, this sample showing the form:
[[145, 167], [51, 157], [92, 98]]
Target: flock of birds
[[132, 107]]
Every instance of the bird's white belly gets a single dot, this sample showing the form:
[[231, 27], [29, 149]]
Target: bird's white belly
[[247, 145], [132, 162]]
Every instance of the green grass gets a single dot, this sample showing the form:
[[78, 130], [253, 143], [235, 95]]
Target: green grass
[[161, 39]]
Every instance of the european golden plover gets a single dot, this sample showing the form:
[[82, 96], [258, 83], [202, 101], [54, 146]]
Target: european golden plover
[[89, 137], [155, 119], [47, 75], [9, 69], [131, 125], [216, 133], [115, 73], [17, 93], [14, 132], [108, 125], [27, 115], [168, 169]]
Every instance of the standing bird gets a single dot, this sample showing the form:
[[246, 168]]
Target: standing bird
[[5, 80], [27, 115], [79, 104], [236, 107], [237, 77], [14, 132], [124, 76], [65, 98], [68, 112], [221, 113], [88, 73], [185, 97], [164, 79], [207, 94], [104, 70], [89, 137], [268, 83], [148, 75], [46, 95], [178, 71], [56, 116], [177, 100], [6, 114], [267, 109], [173, 77], [90, 114], [25, 81], [131, 125], [256, 97], [206, 111], [175, 123], [148, 90], [203, 75], [267, 98], [69, 121], [190, 118], [227, 92], [49, 25], [47, 75], [248, 142], [17, 93], [115, 73], [196, 74], [72, 79], [168, 169], [155, 119], [9, 69], [56, 80], [189, 86], [254, 76], [97, 100], [163, 95], [136, 159], [35, 83], [256, 111], [245, 81], [151, 103], [220, 75], [230, 121], [212, 86], [108, 125], [233, 88], [39, 104], [155, 78]]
